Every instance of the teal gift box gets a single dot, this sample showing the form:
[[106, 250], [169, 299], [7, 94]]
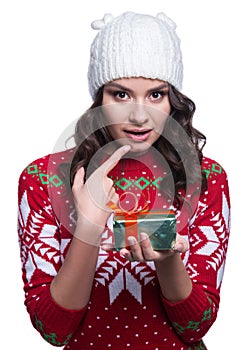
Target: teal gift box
[[159, 226]]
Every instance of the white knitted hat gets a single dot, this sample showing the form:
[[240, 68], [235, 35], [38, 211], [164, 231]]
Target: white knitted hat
[[135, 45]]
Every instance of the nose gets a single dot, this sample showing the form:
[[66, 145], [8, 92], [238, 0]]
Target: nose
[[138, 114]]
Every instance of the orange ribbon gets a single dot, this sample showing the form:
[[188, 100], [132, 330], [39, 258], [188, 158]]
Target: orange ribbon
[[129, 216], [119, 210]]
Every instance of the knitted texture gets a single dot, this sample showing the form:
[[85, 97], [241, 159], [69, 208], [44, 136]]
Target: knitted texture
[[135, 45], [126, 309]]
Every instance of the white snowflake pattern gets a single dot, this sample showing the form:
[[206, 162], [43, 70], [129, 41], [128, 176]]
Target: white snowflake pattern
[[39, 247]]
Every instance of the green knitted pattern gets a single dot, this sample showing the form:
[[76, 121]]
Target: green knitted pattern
[[141, 183], [200, 346], [212, 170], [51, 337], [192, 324], [51, 180]]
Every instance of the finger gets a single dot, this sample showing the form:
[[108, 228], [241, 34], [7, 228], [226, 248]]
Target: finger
[[108, 247], [147, 249], [78, 179], [135, 249], [126, 254], [181, 244], [115, 197], [113, 201], [114, 158], [144, 240]]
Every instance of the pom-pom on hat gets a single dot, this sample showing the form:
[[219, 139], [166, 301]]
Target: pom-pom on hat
[[135, 45]]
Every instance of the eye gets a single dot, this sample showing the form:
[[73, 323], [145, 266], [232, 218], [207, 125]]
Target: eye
[[156, 95], [122, 95]]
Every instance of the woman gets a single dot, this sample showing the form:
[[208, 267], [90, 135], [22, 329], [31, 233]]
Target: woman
[[137, 152]]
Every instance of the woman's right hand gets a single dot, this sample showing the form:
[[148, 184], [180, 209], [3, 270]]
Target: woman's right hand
[[72, 286], [91, 198]]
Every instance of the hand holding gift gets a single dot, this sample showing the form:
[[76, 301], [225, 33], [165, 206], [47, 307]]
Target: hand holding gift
[[142, 250], [160, 227], [142, 235]]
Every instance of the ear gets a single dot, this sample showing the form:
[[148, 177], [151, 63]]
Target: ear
[[166, 19], [100, 23]]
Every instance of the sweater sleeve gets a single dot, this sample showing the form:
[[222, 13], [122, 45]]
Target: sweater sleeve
[[208, 239], [41, 250]]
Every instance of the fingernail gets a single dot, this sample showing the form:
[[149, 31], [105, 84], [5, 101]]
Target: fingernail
[[131, 240], [143, 236], [127, 148], [178, 248]]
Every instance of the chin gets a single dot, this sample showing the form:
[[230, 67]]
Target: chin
[[139, 147]]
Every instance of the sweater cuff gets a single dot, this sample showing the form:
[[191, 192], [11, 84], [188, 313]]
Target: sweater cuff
[[191, 308], [52, 317]]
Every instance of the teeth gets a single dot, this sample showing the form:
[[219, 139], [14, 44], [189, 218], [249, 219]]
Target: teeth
[[137, 132]]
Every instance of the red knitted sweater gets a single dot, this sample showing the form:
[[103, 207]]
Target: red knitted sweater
[[126, 309]]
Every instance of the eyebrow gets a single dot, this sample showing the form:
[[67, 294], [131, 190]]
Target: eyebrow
[[124, 88]]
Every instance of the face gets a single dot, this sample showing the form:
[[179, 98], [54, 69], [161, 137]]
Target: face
[[136, 110]]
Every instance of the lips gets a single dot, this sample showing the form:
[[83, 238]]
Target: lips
[[138, 134]]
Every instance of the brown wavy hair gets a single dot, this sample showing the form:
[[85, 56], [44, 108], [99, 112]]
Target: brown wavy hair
[[177, 145]]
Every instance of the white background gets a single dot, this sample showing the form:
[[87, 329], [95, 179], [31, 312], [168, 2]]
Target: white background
[[43, 88]]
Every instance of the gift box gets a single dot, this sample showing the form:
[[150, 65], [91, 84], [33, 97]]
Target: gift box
[[160, 227]]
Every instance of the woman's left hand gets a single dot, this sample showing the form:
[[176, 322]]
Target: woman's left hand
[[143, 251]]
